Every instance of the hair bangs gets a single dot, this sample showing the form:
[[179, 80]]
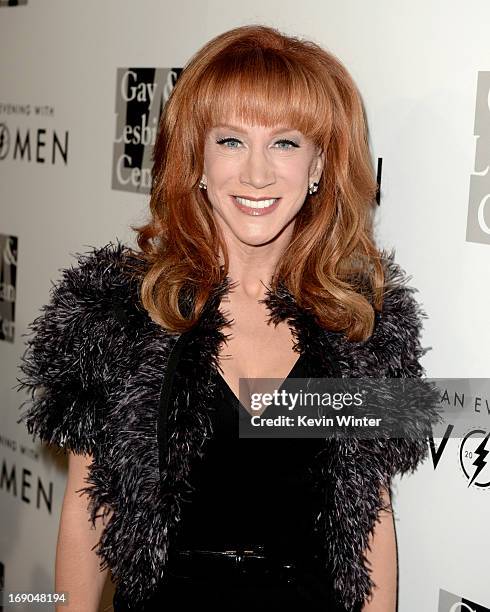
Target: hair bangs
[[261, 87]]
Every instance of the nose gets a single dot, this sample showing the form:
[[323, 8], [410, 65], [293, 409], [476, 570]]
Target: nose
[[257, 170]]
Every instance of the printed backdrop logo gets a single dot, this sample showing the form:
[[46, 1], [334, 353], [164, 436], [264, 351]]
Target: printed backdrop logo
[[8, 285], [28, 142], [12, 2], [141, 94], [465, 402], [478, 224], [449, 602], [474, 458]]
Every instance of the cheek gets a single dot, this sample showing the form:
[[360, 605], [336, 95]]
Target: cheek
[[219, 168], [295, 172]]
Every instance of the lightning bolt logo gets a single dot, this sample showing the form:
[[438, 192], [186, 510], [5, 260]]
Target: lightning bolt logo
[[480, 462]]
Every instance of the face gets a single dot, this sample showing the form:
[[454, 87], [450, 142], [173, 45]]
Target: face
[[257, 179]]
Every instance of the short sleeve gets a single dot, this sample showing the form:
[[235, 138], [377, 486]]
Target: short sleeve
[[418, 400], [61, 364]]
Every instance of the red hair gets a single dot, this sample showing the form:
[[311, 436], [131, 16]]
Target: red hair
[[263, 77]]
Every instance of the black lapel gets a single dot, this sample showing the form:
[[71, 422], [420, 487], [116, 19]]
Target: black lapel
[[186, 396]]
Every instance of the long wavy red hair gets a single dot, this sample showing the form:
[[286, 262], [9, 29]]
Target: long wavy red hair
[[264, 77]]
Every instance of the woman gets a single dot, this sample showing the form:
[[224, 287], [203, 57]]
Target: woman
[[261, 212]]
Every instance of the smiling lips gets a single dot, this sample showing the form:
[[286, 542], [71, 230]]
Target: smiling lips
[[256, 206]]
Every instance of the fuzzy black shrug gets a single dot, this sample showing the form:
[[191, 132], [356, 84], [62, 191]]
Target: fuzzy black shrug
[[105, 379]]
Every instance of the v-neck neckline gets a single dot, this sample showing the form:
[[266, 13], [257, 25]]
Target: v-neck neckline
[[235, 401]]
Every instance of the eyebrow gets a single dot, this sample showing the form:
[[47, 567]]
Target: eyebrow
[[242, 131]]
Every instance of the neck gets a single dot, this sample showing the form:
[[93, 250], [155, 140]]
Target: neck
[[251, 267]]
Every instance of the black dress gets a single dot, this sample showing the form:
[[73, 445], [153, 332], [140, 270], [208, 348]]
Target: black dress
[[249, 492]]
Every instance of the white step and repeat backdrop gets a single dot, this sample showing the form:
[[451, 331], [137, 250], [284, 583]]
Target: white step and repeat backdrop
[[69, 181]]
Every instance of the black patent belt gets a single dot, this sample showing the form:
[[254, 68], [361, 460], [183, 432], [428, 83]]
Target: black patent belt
[[237, 563]]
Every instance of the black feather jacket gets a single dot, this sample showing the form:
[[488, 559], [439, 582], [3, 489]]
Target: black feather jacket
[[104, 379]]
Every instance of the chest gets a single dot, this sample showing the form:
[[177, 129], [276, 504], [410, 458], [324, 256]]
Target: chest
[[256, 349]]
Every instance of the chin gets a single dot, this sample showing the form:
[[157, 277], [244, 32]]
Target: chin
[[257, 239], [253, 232]]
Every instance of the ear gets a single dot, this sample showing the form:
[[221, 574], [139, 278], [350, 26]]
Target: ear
[[317, 165]]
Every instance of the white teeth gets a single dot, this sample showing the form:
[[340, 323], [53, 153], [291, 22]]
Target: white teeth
[[253, 204]]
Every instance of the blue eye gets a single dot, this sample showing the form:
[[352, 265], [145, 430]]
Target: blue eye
[[234, 141], [228, 140], [288, 142]]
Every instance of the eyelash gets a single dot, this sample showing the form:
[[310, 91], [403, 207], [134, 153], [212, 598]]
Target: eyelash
[[291, 142]]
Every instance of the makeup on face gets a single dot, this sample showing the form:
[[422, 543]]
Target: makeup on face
[[256, 172]]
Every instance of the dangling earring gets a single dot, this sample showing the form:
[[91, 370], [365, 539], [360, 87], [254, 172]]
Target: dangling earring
[[202, 184], [313, 188]]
